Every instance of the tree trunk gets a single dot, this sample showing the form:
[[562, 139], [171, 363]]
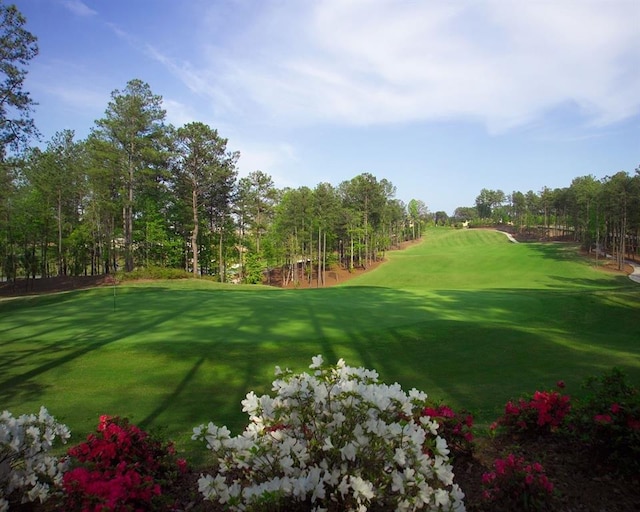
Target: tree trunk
[[194, 233], [319, 258], [59, 233], [220, 260], [351, 267], [324, 258], [127, 214]]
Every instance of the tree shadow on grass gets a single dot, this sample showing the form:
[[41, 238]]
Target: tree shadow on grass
[[614, 282], [202, 351], [78, 329], [570, 252], [559, 251], [481, 344], [479, 367]]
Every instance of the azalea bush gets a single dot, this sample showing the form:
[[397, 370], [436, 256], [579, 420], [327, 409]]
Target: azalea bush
[[541, 413], [120, 468], [333, 440], [456, 428], [28, 471], [607, 420], [515, 484]]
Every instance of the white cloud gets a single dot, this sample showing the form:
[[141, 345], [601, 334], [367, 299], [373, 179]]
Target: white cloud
[[79, 8], [502, 63], [70, 85], [178, 113], [78, 97], [273, 159], [198, 81]]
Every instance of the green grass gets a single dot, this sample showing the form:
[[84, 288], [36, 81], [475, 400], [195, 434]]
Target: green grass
[[466, 316]]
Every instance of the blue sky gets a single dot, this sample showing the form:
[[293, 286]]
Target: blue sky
[[440, 97]]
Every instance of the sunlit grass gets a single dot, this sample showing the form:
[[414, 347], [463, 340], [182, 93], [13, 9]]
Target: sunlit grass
[[465, 316]]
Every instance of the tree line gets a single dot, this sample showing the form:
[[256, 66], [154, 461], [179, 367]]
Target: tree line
[[603, 215], [138, 192]]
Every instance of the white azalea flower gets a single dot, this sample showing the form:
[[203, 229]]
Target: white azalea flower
[[343, 488], [286, 463], [250, 403], [399, 457], [415, 394], [318, 435], [361, 488], [397, 482], [348, 452], [24, 445], [441, 497], [441, 446], [316, 362]]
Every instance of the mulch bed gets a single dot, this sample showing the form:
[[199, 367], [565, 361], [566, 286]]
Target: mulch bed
[[50, 285], [581, 482]]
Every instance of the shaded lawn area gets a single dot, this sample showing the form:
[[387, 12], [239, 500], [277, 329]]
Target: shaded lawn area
[[171, 355]]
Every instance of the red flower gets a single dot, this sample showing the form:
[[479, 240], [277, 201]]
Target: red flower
[[602, 418], [121, 466], [633, 424], [516, 481], [455, 428], [429, 411], [510, 408], [488, 477], [446, 412]]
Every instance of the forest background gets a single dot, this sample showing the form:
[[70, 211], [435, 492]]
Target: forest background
[[139, 192]]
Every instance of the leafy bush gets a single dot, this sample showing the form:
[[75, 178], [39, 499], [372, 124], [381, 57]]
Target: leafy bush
[[607, 420], [516, 485], [254, 268], [27, 470], [456, 428], [336, 440], [331, 260], [541, 413], [154, 273], [121, 468]]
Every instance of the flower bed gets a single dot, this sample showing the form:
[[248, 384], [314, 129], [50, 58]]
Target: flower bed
[[120, 468], [333, 440], [27, 470], [337, 439]]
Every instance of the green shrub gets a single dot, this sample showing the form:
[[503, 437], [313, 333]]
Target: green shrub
[[254, 269], [542, 413], [154, 273], [516, 484], [607, 420]]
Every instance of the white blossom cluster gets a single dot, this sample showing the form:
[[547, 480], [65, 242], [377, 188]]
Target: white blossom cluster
[[333, 440], [26, 467]]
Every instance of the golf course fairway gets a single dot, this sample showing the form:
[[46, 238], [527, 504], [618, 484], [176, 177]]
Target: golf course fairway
[[465, 315]]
